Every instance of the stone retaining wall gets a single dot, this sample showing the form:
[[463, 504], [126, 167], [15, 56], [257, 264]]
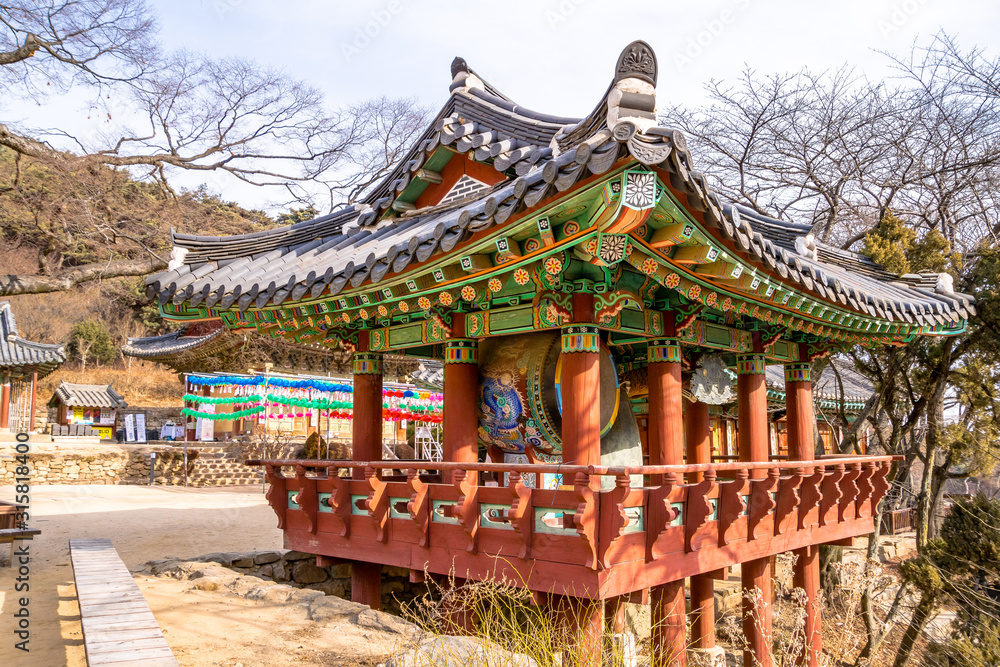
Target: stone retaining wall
[[299, 569], [129, 464]]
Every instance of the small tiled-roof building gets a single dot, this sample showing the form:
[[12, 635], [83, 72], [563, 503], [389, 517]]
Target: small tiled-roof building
[[91, 404], [22, 364]]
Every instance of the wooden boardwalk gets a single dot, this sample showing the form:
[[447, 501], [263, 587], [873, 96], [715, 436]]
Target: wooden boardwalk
[[118, 626]]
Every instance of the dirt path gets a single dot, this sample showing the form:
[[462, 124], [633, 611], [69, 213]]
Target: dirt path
[[146, 523]]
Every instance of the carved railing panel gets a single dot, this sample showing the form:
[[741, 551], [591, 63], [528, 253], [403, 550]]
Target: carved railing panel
[[308, 498], [787, 502], [419, 505], [701, 508], [760, 521], [467, 507], [377, 504], [830, 500], [866, 487], [683, 528], [733, 508], [846, 509], [277, 494], [810, 494], [340, 505], [665, 523]]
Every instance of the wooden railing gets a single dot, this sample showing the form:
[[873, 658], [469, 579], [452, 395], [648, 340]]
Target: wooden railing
[[658, 532]]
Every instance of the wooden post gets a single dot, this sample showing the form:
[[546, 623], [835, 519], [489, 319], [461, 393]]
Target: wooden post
[[461, 396], [805, 573], [5, 402], [614, 613], [34, 391], [190, 423], [698, 438], [581, 387], [459, 614], [666, 427], [752, 436], [366, 445], [584, 620], [666, 447], [189, 433]]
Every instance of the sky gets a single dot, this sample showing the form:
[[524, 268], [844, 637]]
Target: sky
[[555, 56]]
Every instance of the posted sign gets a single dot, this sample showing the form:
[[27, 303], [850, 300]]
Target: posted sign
[[206, 427], [140, 426]]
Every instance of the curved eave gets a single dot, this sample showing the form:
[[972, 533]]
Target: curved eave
[[385, 261], [173, 346], [443, 254]]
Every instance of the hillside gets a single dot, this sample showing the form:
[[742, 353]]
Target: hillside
[[53, 217]]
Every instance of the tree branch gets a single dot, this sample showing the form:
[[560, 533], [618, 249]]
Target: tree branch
[[64, 280]]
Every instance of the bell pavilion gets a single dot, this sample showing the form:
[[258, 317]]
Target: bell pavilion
[[553, 264]]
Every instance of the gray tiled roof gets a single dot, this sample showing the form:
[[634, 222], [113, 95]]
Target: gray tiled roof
[[430, 373], [24, 357], [546, 154], [87, 395], [172, 344]]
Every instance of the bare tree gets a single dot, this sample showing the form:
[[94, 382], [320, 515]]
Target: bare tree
[[909, 172], [181, 112], [60, 43]]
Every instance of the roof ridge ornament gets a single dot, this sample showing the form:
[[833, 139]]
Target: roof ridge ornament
[[632, 99], [945, 284], [806, 246], [462, 76], [177, 255], [637, 61]]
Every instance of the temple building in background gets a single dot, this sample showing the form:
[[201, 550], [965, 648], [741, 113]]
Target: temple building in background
[[22, 364]]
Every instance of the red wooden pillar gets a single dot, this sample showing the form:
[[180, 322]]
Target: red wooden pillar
[[753, 435], [580, 383], [580, 386], [805, 574], [5, 402], [34, 391], [461, 396], [666, 447], [583, 619], [366, 445], [698, 438]]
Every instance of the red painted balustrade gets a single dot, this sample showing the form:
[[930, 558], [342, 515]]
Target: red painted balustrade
[[573, 540]]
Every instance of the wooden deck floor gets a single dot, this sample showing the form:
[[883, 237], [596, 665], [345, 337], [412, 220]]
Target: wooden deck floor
[[118, 626]]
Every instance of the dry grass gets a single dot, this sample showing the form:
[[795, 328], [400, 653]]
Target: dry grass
[[507, 620], [145, 384]]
